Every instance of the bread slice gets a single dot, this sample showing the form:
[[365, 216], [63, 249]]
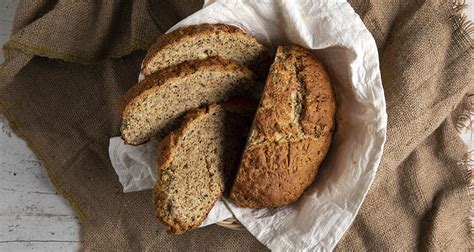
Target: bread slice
[[291, 133], [206, 40], [155, 104], [195, 162]]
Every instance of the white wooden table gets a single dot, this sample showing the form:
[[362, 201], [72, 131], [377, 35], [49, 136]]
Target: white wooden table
[[32, 215]]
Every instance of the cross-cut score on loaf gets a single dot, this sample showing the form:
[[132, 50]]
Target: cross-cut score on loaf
[[206, 40], [291, 132], [155, 105], [197, 161]]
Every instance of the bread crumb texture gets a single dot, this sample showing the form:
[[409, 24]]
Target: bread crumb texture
[[198, 161], [156, 105], [206, 40]]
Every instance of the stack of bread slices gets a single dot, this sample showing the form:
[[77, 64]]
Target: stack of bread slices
[[216, 139]]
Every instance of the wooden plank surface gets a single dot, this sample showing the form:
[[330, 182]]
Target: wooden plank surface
[[32, 215]]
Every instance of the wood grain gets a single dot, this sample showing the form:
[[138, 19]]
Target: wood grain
[[32, 215]]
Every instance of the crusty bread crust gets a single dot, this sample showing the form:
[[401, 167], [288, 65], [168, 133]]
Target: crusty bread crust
[[167, 149], [151, 84], [291, 133], [175, 37]]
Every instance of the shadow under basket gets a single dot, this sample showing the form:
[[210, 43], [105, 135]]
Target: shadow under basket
[[231, 223]]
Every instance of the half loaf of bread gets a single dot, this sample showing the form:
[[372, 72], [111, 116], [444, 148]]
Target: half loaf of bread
[[206, 40], [154, 105], [197, 160], [291, 132]]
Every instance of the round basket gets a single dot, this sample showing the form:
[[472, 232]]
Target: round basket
[[231, 223]]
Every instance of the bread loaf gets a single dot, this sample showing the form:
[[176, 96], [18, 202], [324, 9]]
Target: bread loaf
[[206, 40], [291, 132], [196, 161], [155, 105]]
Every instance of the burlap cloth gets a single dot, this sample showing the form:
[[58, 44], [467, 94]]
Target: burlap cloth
[[68, 62]]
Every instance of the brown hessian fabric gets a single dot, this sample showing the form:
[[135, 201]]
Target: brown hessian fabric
[[68, 63]]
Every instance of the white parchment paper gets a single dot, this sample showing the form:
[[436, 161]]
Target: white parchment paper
[[340, 39]]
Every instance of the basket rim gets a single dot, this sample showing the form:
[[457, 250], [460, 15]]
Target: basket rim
[[231, 223]]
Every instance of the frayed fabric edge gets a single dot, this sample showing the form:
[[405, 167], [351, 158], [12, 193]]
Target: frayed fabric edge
[[465, 122], [465, 127], [466, 25]]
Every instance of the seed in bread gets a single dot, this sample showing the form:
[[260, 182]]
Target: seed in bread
[[206, 40], [197, 160], [291, 132], [154, 105]]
